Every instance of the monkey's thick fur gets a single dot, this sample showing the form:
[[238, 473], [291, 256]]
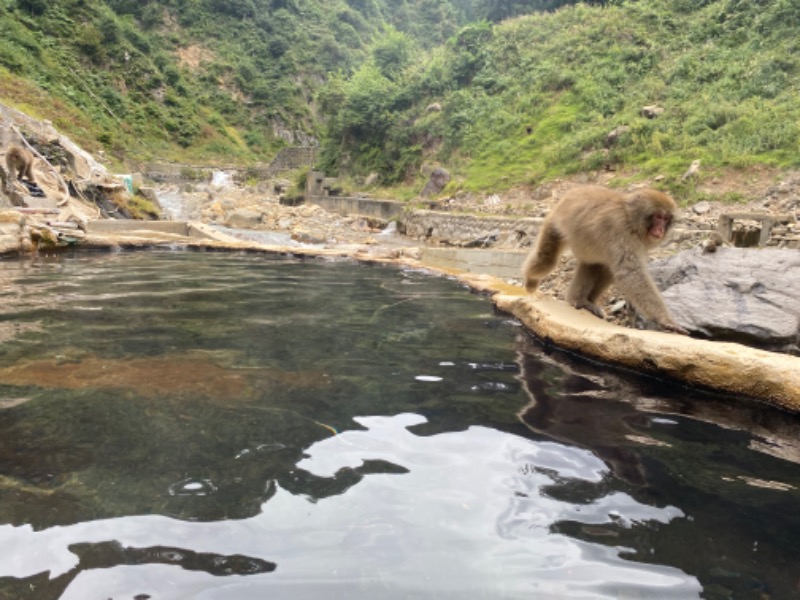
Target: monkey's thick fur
[[610, 234], [20, 163]]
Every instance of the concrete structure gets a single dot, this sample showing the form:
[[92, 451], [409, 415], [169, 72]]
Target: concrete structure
[[759, 236], [505, 264], [287, 159], [384, 210], [126, 226], [318, 189]]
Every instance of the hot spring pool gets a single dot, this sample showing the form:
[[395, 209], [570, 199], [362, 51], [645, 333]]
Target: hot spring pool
[[178, 425]]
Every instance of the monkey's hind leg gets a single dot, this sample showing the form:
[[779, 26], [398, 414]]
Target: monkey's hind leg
[[543, 258], [587, 286]]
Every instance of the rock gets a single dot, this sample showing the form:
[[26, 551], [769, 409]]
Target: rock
[[732, 368], [701, 208], [308, 210], [306, 237], [434, 107], [651, 111], [149, 193], [243, 219], [618, 307], [735, 294], [483, 241], [281, 186], [439, 178], [614, 135]]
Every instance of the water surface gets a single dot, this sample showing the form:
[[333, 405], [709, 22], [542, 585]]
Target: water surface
[[199, 425]]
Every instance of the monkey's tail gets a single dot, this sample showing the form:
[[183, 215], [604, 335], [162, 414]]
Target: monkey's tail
[[544, 257]]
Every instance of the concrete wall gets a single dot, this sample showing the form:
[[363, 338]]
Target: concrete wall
[[127, 225], [380, 209], [506, 264], [123, 226]]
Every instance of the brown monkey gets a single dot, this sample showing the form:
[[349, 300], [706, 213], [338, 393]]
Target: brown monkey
[[20, 161], [609, 233], [714, 241]]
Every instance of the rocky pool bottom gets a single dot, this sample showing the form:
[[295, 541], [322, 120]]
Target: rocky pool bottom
[[203, 425]]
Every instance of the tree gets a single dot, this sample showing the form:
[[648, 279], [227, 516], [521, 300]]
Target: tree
[[392, 52], [497, 10]]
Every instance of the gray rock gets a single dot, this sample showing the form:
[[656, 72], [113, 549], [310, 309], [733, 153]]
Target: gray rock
[[439, 178], [735, 294], [614, 135], [243, 219], [652, 111]]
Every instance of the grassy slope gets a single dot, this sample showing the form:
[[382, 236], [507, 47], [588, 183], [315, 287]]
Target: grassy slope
[[189, 85], [728, 87], [727, 75]]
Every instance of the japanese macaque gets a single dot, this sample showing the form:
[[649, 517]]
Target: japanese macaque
[[714, 241], [20, 163], [609, 234]]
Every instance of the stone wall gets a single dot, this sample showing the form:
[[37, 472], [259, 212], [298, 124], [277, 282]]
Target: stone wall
[[286, 160], [470, 230], [292, 158]]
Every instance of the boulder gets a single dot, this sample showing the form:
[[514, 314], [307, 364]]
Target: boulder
[[439, 178], [614, 135], [735, 294], [652, 111], [243, 219]]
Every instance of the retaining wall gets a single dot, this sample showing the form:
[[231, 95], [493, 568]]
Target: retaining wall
[[123, 226], [505, 264], [343, 205], [462, 229], [286, 160]]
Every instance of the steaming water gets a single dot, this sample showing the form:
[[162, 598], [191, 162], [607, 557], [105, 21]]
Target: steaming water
[[189, 425]]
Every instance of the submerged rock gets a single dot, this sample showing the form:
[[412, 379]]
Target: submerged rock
[[736, 294]]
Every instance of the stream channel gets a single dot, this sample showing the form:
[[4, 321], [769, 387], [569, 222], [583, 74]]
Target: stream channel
[[202, 425]]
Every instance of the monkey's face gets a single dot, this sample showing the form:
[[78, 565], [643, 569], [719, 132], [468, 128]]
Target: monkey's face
[[659, 225]]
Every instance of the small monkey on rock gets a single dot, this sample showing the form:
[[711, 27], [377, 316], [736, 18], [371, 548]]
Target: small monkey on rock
[[20, 162], [610, 234]]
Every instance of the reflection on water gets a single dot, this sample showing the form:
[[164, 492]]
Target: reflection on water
[[179, 425]]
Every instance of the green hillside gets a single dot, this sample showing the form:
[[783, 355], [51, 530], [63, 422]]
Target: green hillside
[[192, 80], [535, 97], [387, 86]]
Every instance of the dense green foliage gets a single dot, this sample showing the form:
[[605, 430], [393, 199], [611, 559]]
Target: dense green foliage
[[535, 97], [193, 79], [388, 85]]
